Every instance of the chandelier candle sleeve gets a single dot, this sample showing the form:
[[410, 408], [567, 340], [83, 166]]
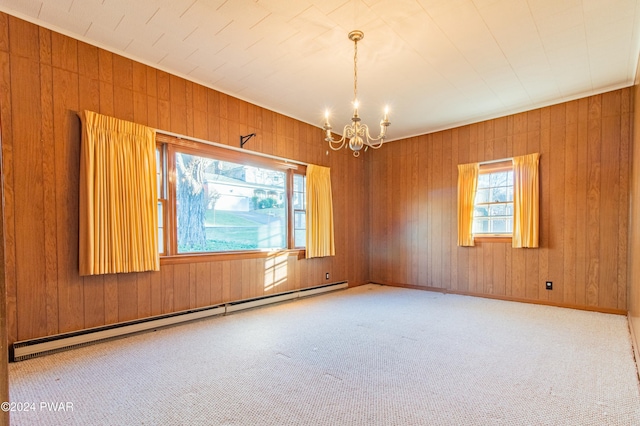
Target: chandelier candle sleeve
[[357, 134]]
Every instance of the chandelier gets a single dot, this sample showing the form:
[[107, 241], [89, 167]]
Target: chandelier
[[356, 133]]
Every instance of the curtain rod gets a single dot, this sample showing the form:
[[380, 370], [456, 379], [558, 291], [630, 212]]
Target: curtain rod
[[499, 160], [233, 148]]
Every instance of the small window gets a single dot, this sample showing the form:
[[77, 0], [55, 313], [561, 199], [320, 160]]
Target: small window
[[299, 210], [162, 199], [493, 212]]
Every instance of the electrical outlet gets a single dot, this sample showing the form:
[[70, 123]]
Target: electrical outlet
[[548, 285], [326, 276]]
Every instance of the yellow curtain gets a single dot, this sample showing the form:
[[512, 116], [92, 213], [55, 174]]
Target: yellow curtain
[[118, 201], [526, 199], [320, 241], [467, 184]]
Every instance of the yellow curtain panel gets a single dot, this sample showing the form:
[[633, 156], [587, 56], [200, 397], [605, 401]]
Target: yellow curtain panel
[[118, 197], [467, 184], [320, 240], [526, 201]]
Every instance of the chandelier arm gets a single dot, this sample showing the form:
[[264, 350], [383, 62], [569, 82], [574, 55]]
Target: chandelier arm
[[334, 144], [372, 142]]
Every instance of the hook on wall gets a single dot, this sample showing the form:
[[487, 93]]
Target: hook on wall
[[245, 139]]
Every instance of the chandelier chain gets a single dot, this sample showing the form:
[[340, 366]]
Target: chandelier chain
[[355, 72]]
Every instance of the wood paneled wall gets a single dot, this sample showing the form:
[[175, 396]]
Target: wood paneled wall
[[46, 78], [4, 350], [634, 231], [584, 189]]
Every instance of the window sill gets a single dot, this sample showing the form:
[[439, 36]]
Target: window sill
[[493, 238], [216, 257]]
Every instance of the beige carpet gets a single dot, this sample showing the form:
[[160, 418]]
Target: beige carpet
[[370, 355]]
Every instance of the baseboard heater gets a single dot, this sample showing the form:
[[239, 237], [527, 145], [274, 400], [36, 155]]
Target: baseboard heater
[[28, 349]]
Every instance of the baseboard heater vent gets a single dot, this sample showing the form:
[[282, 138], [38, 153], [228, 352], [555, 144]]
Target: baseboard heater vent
[[28, 349]]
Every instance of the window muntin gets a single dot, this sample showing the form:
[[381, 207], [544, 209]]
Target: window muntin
[[493, 211]]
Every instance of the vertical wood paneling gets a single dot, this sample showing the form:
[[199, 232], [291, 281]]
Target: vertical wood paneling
[[634, 225], [518, 274], [49, 179], [453, 205], [405, 191], [609, 205], [393, 245], [570, 201], [64, 52], [235, 280], [624, 234], [225, 281], [127, 297], [462, 252], [67, 136], [4, 335], [93, 299], [110, 299], [532, 257], [156, 293], [167, 289], [216, 283], [499, 268], [181, 282], [593, 201], [403, 228], [556, 204], [9, 196], [203, 284], [545, 197], [105, 74], [23, 39], [29, 195], [584, 172], [144, 294], [192, 286], [487, 269], [415, 213], [437, 215], [4, 33], [581, 203]]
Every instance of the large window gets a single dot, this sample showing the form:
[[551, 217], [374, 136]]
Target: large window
[[493, 211], [220, 200]]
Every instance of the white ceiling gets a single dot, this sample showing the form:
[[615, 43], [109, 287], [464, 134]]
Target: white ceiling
[[436, 63]]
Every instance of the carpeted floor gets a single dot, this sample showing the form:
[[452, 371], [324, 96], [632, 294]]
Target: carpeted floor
[[370, 355]]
